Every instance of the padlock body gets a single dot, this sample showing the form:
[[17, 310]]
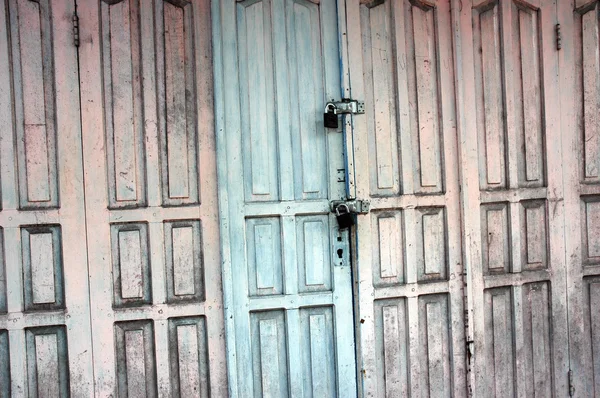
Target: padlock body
[[345, 220], [331, 120]]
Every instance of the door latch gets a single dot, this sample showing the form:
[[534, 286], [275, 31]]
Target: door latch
[[346, 211], [335, 108]]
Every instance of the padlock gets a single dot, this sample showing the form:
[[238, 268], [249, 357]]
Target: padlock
[[344, 217], [331, 118]]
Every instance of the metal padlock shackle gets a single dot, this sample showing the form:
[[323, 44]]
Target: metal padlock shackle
[[330, 107], [342, 205]]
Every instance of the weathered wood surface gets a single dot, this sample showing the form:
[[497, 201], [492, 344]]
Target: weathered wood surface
[[287, 277], [406, 163], [512, 198], [580, 123], [45, 335], [151, 196]]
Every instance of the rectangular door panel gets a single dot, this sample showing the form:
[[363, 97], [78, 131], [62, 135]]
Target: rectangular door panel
[[45, 335], [149, 156], [287, 284], [511, 174], [406, 157]]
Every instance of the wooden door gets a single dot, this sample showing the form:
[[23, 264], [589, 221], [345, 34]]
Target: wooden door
[[580, 99], [513, 202], [45, 336], [287, 284], [406, 163], [152, 213]]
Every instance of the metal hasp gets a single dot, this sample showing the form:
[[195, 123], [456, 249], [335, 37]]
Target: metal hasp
[[345, 211], [335, 108], [346, 105]]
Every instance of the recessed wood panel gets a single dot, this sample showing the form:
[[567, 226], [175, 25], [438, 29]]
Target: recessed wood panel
[[3, 281], [136, 362], [528, 89], [268, 114], [431, 244], [587, 91], [269, 354], [423, 72], [491, 123], [131, 264], [47, 361], [314, 253], [388, 255], [434, 340], [261, 170], [318, 353], [123, 102], [381, 103], [590, 230], [393, 364], [499, 342], [534, 234], [34, 103], [42, 267], [5, 379], [303, 23], [176, 89], [265, 267], [537, 356], [184, 261], [592, 325], [188, 353], [495, 238]]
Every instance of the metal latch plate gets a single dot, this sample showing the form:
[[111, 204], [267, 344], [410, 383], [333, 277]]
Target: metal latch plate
[[354, 206], [346, 105]]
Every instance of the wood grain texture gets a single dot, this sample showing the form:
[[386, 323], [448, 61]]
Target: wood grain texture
[[177, 92], [401, 60], [132, 283], [34, 82], [47, 361], [389, 254], [277, 62], [123, 99], [43, 267], [189, 352], [5, 379], [495, 238], [392, 341], [184, 260], [136, 363], [500, 340], [515, 247], [155, 255], [580, 95]]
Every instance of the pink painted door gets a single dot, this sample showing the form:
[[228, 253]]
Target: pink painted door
[[150, 194], [406, 164], [513, 200], [45, 335], [580, 121], [461, 261]]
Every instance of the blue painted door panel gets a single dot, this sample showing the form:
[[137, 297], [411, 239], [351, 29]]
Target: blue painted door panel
[[287, 285]]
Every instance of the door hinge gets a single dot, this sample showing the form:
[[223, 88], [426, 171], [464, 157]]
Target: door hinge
[[75, 29], [571, 386], [558, 37]]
